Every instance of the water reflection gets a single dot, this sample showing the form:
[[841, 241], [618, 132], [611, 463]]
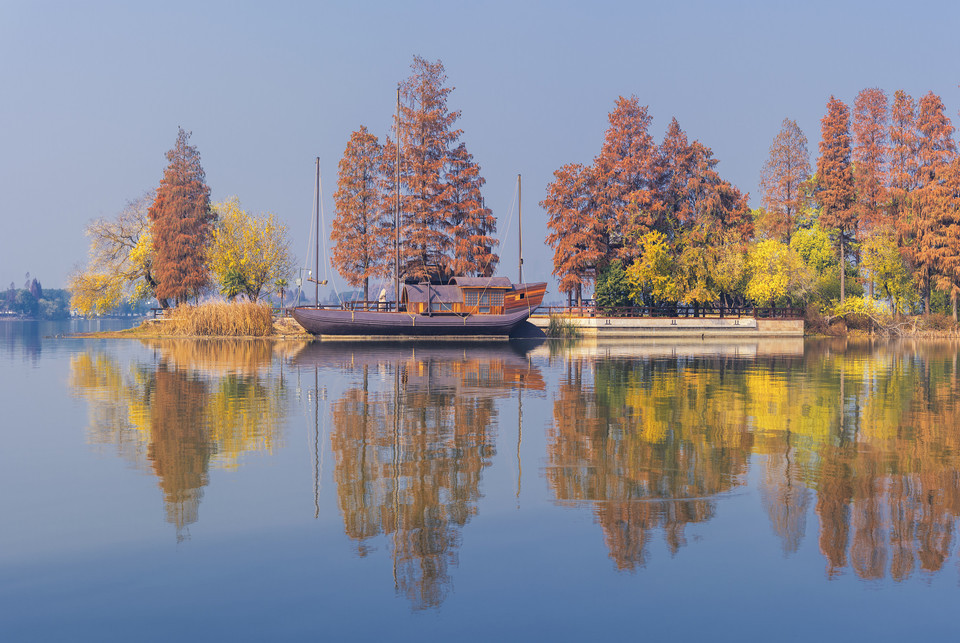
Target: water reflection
[[866, 436], [854, 449], [641, 442], [412, 437], [196, 405]]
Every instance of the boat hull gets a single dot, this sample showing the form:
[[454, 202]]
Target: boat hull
[[328, 321]]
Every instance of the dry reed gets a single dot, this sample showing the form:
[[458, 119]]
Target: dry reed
[[220, 319]]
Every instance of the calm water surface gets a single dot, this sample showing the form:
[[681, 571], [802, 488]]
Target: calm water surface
[[184, 490]]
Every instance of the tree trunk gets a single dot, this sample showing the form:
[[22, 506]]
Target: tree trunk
[[843, 270]]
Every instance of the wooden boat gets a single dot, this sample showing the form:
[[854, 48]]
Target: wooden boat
[[465, 306]]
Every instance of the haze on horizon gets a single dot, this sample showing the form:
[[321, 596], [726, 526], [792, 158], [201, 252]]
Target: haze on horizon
[[95, 93]]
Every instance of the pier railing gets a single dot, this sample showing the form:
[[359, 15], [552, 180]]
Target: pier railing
[[715, 312]]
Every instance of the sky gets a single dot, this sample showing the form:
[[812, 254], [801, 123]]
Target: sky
[[93, 94]]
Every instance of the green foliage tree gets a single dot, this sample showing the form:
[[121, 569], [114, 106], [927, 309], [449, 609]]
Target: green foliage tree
[[613, 287]]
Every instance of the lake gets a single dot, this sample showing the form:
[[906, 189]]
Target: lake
[[254, 490]]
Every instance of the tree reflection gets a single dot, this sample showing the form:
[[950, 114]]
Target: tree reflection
[[865, 436], [196, 405], [645, 447], [411, 439]]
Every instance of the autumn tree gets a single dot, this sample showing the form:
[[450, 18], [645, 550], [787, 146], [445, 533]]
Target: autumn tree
[[247, 252], [946, 231], [655, 277], [363, 226], [672, 168], [886, 268], [427, 135], [471, 223], [780, 181], [623, 176], [777, 274], [918, 227], [576, 235], [835, 180], [870, 150], [903, 154], [121, 262], [181, 224]]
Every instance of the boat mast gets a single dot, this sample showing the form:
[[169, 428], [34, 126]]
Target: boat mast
[[396, 225], [520, 225], [316, 265]]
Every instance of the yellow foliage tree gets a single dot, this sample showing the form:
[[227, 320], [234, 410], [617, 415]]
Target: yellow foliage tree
[[656, 274], [777, 274], [248, 251], [120, 264]]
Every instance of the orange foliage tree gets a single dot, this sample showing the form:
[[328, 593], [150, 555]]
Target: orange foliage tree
[[599, 213], [918, 229], [471, 223], [903, 154], [870, 150], [181, 225], [576, 235], [785, 170], [623, 176], [427, 135], [947, 232], [835, 190], [362, 227]]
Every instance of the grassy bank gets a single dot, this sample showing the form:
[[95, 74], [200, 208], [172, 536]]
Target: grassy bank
[[214, 319]]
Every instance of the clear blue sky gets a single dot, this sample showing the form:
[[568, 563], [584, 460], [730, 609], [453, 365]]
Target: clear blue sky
[[93, 93]]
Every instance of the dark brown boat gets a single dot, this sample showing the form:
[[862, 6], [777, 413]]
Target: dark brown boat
[[465, 306]]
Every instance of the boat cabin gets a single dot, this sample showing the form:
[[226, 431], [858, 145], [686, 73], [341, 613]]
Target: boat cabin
[[464, 296]]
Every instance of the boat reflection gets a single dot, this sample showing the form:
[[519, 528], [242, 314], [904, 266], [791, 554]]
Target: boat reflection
[[194, 406], [411, 437]]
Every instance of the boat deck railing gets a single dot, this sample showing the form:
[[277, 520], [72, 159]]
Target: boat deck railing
[[717, 312], [372, 306]]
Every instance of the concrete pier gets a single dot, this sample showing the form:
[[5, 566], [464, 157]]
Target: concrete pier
[[600, 326]]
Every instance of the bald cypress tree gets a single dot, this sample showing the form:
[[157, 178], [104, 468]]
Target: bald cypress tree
[[870, 153], [784, 172], [362, 229], [427, 136], [181, 225], [471, 223], [934, 152], [835, 190], [903, 154], [623, 176], [576, 235]]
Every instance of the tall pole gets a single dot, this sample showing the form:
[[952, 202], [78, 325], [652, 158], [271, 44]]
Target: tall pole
[[396, 223], [316, 265], [520, 223]]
